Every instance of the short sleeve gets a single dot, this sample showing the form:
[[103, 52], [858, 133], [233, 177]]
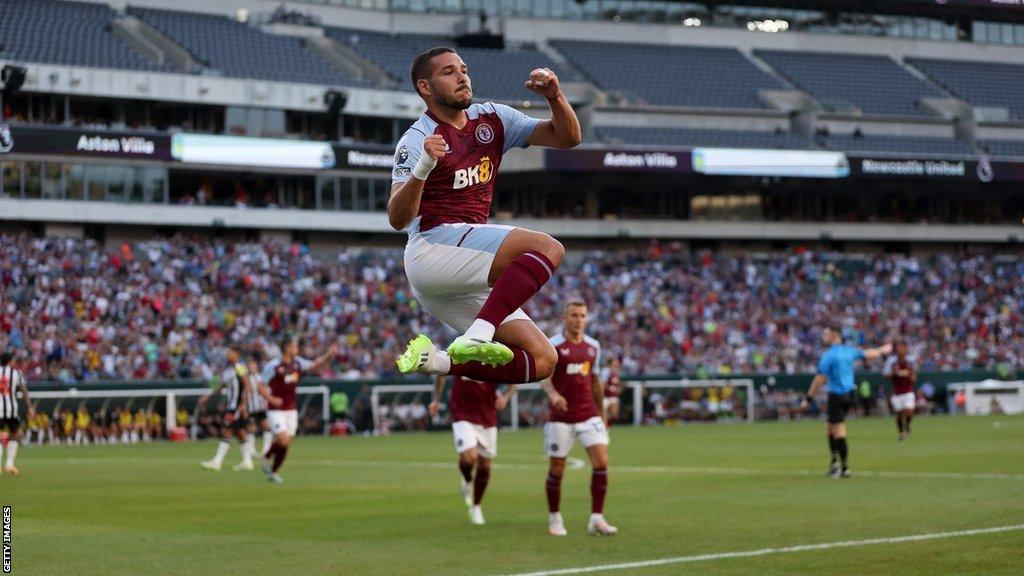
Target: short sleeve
[[304, 363], [518, 126], [823, 363], [407, 154], [890, 364], [597, 359], [240, 370], [268, 371], [858, 354]]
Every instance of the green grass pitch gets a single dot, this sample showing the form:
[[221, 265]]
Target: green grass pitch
[[390, 506]]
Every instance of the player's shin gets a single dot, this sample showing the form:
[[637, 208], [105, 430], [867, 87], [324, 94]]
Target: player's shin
[[12, 451], [483, 476], [553, 488], [279, 455], [598, 490], [268, 440], [466, 469], [521, 370]]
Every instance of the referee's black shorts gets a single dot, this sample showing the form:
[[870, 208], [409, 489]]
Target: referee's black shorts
[[838, 406]]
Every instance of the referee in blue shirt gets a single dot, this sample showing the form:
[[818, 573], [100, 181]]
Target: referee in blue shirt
[[836, 371]]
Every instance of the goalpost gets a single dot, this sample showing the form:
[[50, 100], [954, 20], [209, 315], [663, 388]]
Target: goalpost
[[169, 399]]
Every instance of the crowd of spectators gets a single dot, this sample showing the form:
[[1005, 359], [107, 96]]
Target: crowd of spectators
[[75, 310]]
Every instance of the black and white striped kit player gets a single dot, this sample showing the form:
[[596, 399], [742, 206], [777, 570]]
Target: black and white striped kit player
[[233, 384], [231, 380], [257, 403], [12, 381]]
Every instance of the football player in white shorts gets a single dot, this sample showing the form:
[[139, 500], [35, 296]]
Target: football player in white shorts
[[576, 413]]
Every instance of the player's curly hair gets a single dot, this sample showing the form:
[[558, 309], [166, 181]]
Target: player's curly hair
[[421, 64]]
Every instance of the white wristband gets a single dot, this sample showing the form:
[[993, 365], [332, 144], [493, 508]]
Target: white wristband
[[423, 167]]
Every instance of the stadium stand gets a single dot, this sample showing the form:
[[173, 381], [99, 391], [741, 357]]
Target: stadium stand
[[897, 145], [241, 51], [672, 75], [497, 74], [872, 84], [74, 33], [76, 310], [1003, 147], [701, 137], [979, 83]]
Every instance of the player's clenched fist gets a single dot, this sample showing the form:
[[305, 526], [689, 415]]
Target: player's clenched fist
[[544, 82], [434, 146], [433, 150]]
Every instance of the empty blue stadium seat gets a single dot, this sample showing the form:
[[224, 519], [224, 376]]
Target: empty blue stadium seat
[[1003, 147], [497, 74], [701, 137], [873, 84], [987, 84], [73, 33], [671, 75], [241, 51], [897, 145]]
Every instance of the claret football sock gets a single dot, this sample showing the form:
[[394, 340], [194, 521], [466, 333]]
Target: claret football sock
[[521, 370], [523, 278]]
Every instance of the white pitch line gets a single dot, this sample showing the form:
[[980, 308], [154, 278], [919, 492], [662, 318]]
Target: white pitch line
[[768, 551], [576, 464]]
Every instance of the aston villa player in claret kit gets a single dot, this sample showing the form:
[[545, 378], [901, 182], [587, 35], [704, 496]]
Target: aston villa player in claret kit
[[576, 412], [612, 391], [474, 408], [901, 371], [282, 381], [472, 275]]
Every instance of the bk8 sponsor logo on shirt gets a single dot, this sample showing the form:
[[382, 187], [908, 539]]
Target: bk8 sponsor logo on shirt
[[479, 174], [578, 368]]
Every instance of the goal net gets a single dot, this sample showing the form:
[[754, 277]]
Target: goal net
[[132, 415], [398, 408]]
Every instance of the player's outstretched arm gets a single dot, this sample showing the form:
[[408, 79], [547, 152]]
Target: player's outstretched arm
[[324, 358], [872, 353], [563, 129], [404, 203]]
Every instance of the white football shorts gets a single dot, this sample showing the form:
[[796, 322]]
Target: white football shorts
[[559, 436], [906, 401], [469, 435], [448, 267], [283, 421]]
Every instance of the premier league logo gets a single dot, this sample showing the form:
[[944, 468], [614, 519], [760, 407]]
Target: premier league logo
[[484, 134], [402, 155], [6, 140], [985, 171]]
